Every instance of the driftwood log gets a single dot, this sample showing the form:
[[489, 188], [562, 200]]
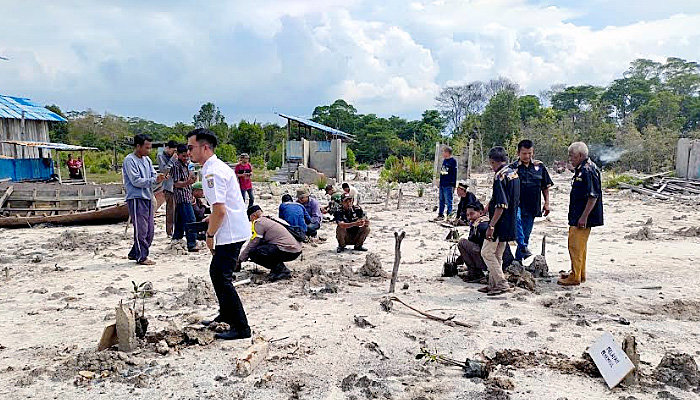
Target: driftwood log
[[252, 357], [397, 256], [433, 317]]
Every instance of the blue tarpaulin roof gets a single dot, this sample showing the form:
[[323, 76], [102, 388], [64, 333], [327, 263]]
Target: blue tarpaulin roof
[[12, 107], [47, 145], [320, 127]]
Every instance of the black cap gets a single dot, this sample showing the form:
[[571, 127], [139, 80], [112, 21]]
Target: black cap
[[253, 209], [172, 144]]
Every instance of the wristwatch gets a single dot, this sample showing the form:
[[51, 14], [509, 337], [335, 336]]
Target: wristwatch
[[210, 236]]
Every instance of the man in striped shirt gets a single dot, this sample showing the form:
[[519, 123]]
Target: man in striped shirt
[[182, 195]]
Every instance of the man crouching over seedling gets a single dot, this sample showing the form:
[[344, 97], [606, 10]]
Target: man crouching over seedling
[[470, 248], [353, 225]]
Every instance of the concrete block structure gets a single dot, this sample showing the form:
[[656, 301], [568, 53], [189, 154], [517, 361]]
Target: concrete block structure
[[688, 159]]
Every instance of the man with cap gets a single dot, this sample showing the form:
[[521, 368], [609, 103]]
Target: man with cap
[[465, 198], [227, 230], [313, 209], [244, 172], [165, 160], [271, 245], [336, 203], [294, 213], [200, 208], [352, 225]]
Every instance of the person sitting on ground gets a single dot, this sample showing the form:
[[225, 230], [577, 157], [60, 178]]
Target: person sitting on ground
[[353, 225], [465, 198], [335, 204], [294, 214], [470, 248], [270, 246], [313, 209], [201, 209], [352, 192]]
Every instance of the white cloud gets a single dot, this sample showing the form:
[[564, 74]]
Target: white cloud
[[162, 59]]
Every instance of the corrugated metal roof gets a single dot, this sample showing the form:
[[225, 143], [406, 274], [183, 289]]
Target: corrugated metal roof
[[51, 146], [12, 107], [320, 127]]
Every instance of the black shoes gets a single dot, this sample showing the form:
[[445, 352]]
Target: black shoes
[[278, 276], [360, 248], [233, 334], [207, 322], [340, 249]]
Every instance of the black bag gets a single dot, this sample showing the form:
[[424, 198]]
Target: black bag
[[293, 230]]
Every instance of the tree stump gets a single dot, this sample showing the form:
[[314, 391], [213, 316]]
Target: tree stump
[[397, 259], [629, 345], [126, 328]]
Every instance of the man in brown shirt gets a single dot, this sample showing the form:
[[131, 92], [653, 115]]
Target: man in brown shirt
[[271, 245]]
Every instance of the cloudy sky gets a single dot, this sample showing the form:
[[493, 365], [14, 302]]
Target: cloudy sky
[[161, 59]]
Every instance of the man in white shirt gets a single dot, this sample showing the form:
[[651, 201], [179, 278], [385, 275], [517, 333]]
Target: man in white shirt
[[227, 231]]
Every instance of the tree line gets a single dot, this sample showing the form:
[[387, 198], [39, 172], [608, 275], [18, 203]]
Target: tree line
[[634, 122]]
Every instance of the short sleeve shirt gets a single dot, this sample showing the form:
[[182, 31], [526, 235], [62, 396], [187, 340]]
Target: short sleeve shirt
[[244, 182], [220, 185], [584, 185], [347, 216], [506, 195], [534, 178], [180, 173]]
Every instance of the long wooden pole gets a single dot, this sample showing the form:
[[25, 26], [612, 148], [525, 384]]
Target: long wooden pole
[[397, 259]]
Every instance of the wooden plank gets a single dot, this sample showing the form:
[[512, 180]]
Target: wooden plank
[[684, 188], [33, 198], [53, 199], [80, 195], [7, 194], [45, 209], [644, 191]]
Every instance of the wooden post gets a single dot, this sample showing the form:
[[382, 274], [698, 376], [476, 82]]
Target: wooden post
[[544, 243], [469, 161], [398, 203], [82, 160], [58, 166], [629, 345], [388, 193], [6, 195], [397, 259], [436, 166]]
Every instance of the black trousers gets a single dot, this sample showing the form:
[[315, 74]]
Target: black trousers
[[271, 257], [221, 272]]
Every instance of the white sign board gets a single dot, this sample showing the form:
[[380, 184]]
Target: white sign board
[[611, 360]]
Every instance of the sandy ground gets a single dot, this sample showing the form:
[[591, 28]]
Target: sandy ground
[[59, 298]]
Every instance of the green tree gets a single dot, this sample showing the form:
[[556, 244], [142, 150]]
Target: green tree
[[249, 138], [339, 115], [529, 107], [209, 115], [681, 77], [627, 95], [501, 119], [434, 119], [351, 162], [226, 152], [58, 131], [662, 111]]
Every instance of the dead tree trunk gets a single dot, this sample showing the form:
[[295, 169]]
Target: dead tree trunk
[[629, 345], [397, 259]]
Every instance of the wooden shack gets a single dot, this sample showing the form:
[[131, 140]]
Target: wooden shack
[[23, 121]]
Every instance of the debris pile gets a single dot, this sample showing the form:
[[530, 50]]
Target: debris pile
[[74, 240], [538, 267], [679, 370], [520, 277], [689, 231], [199, 292], [316, 281], [665, 188], [372, 266], [643, 234]]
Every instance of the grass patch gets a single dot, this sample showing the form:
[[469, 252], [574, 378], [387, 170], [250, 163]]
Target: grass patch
[[105, 177], [613, 180]]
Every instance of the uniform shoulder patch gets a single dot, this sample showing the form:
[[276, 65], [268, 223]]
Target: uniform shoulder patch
[[210, 182]]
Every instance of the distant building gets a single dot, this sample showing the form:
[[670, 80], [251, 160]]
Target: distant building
[[25, 151], [305, 160]]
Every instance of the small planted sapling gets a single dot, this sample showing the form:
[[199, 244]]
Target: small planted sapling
[[141, 291]]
